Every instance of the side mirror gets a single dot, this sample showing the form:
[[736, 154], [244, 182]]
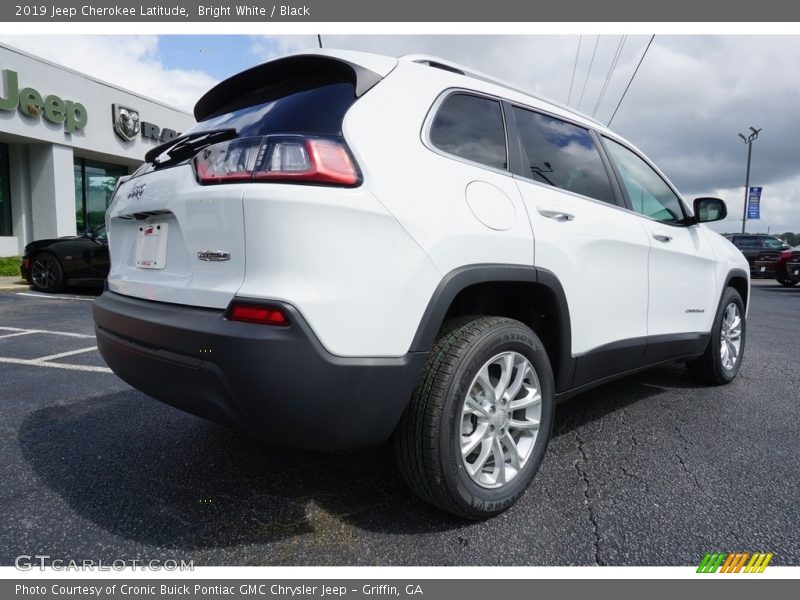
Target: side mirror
[[707, 210]]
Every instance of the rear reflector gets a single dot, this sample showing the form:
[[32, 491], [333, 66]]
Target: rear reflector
[[254, 313], [296, 159]]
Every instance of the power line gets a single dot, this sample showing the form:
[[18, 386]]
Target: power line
[[574, 68], [636, 70], [589, 72], [611, 70]]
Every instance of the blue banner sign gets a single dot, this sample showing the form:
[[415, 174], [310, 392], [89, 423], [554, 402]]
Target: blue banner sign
[[754, 203]]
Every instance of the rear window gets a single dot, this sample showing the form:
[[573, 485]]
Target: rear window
[[317, 110]]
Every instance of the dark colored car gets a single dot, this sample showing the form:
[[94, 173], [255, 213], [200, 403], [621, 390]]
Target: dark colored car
[[49, 265], [753, 245], [775, 264]]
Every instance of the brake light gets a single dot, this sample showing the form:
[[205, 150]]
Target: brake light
[[298, 159], [255, 313], [228, 162]]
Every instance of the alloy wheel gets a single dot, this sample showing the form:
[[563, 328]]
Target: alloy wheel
[[730, 336], [44, 272], [500, 420]]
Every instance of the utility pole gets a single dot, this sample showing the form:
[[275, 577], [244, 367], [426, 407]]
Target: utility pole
[[749, 141]]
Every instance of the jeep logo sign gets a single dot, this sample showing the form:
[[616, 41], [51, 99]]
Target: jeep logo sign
[[31, 103]]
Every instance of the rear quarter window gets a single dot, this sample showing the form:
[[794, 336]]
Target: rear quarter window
[[471, 127]]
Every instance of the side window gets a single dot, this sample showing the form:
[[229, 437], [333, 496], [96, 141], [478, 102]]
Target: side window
[[563, 155], [774, 244], [649, 194], [471, 127]]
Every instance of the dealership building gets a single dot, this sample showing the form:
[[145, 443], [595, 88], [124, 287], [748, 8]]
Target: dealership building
[[65, 139]]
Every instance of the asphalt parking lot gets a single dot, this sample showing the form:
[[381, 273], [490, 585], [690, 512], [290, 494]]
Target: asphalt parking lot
[[651, 470]]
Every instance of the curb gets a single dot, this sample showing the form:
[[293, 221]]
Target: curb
[[22, 286]]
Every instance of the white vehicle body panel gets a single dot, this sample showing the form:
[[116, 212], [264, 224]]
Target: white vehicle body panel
[[431, 202], [200, 219], [684, 291], [604, 277]]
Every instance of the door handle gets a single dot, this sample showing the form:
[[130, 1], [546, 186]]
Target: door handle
[[662, 238], [556, 215]]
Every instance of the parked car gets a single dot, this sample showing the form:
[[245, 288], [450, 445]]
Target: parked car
[[753, 245], [774, 264], [50, 265], [349, 247]]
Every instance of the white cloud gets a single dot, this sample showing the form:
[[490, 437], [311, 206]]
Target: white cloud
[[131, 62]]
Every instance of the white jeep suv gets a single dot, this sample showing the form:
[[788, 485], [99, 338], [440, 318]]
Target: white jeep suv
[[349, 247]]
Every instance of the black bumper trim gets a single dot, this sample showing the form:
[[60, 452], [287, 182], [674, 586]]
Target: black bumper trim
[[275, 383]]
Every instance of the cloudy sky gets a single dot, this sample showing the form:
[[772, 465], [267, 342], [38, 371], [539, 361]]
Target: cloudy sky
[[691, 97]]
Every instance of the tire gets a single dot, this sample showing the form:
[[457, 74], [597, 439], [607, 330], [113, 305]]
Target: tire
[[787, 282], [713, 367], [437, 425], [47, 274]]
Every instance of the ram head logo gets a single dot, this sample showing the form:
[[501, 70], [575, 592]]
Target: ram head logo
[[126, 122]]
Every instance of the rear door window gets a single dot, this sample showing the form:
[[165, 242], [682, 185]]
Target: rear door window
[[471, 127], [563, 155]]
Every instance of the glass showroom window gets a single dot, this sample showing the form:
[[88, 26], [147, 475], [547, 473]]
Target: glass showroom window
[[5, 192], [94, 185]]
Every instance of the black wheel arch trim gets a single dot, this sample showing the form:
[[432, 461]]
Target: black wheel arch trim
[[737, 273], [463, 277]]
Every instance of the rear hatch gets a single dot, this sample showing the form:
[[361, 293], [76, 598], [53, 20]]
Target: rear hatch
[[176, 227]]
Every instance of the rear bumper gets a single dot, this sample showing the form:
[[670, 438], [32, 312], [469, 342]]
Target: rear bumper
[[769, 269], [275, 383]]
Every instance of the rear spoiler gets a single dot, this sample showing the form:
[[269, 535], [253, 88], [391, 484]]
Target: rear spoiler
[[279, 77]]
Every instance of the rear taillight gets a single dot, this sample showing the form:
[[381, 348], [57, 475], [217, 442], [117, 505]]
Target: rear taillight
[[257, 313], [297, 159]]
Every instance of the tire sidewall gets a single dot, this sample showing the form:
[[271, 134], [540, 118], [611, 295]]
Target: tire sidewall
[[479, 500], [730, 296]]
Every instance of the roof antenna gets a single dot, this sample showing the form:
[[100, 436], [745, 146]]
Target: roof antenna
[[319, 39]]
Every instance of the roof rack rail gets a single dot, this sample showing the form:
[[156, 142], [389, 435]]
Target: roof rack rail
[[438, 63]]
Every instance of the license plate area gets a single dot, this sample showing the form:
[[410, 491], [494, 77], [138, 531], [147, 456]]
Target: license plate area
[[151, 246], [763, 269]]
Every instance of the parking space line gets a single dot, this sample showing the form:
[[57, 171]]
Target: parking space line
[[8, 335], [39, 363], [63, 354], [65, 333], [49, 297]]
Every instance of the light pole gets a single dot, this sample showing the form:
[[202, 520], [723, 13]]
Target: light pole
[[749, 141]]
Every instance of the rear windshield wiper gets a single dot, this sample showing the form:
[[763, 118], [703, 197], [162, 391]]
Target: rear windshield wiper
[[186, 146]]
